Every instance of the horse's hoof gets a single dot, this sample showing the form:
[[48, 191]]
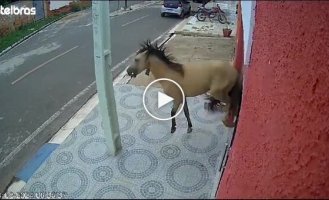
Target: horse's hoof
[[212, 109], [206, 106], [173, 129], [220, 109], [189, 129]]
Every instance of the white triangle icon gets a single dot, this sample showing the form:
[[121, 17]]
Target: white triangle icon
[[163, 99]]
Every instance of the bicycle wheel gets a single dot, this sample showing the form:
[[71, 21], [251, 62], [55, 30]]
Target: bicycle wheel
[[222, 18], [201, 16]]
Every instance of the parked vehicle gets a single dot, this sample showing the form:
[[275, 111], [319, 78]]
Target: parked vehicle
[[211, 13], [204, 2], [176, 7], [198, 1]]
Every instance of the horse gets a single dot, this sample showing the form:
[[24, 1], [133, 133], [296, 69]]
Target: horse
[[218, 78]]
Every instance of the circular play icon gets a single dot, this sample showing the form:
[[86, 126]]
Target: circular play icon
[[161, 103]]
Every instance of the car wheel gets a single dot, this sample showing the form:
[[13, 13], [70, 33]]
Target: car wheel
[[181, 14], [163, 14], [189, 12]]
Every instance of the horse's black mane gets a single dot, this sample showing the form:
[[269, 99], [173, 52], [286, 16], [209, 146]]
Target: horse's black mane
[[159, 51]]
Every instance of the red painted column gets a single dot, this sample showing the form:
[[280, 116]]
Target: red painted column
[[238, 60], [281, 149]]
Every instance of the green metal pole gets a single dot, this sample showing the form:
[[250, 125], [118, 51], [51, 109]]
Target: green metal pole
[[102, 58]]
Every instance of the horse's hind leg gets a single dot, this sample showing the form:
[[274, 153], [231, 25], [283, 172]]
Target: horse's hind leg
[[187, 115], [228, 121], [236, 95], [173, 113]]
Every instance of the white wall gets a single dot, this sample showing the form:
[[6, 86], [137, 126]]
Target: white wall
[[248, 20], [55, 4]]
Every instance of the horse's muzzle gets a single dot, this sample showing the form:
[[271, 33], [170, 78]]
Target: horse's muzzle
[[132, 72]]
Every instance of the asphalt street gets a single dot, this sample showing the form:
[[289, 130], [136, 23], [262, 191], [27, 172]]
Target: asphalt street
[[45, 72]]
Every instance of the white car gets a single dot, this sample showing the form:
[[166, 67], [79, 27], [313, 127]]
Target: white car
[[176, 7]]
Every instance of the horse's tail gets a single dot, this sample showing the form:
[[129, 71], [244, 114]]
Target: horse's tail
[[236, 94]]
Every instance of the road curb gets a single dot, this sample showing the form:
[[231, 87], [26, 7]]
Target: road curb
[[180, 25]]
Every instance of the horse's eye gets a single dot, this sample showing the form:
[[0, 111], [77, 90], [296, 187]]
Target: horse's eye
[[136, 59]]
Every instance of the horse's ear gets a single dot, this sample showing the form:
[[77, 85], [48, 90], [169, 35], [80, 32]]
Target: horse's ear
[[148, 42]]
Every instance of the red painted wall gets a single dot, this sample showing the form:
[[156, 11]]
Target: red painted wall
[[282, 144], [238, 60]]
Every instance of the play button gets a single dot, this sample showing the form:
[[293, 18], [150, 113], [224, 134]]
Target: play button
[[159, 103], [163, 99]]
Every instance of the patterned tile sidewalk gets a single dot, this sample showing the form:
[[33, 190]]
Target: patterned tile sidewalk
[[153, 162]]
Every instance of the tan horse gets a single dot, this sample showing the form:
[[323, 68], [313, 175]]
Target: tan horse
[[216, 77]]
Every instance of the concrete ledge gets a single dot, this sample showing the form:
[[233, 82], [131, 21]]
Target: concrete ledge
[[193, 27], [187, 33], [207, 28]]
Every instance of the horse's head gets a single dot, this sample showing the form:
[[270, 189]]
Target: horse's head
[[140, 64], [141, 61], [151, 56]]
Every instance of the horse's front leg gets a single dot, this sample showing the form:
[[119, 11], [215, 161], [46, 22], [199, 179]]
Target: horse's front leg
[[187, 115], [173, 120]]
